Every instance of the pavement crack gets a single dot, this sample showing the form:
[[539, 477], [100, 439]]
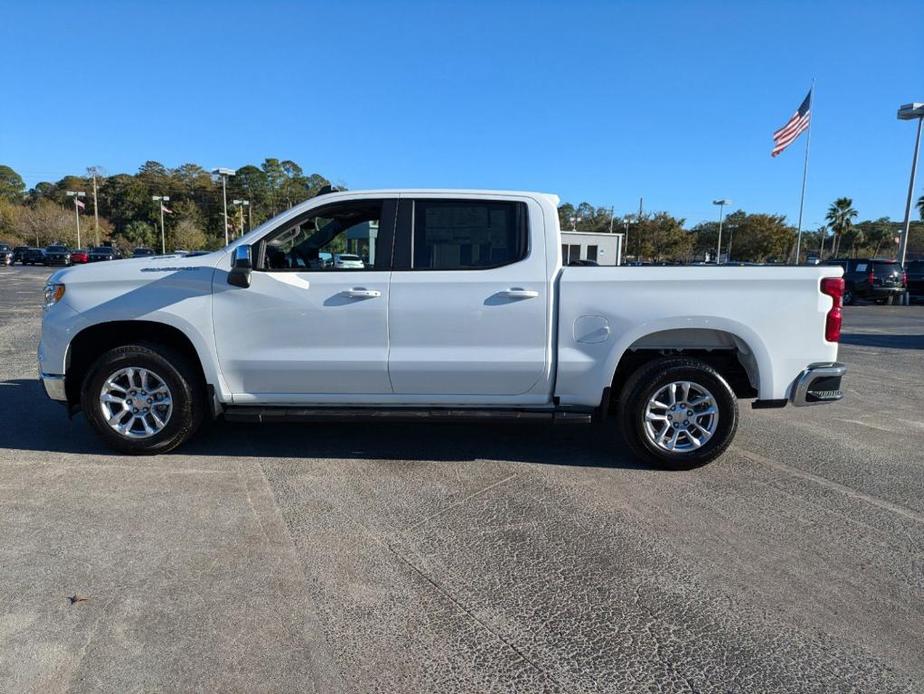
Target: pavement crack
[[469, 613], [830, 484], [459, 502]]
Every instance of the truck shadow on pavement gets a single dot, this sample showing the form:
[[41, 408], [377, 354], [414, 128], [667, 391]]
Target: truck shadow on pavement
[[31, 422], [879, 340]]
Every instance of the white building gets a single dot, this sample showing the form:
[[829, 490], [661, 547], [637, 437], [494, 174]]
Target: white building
[[601, 247]]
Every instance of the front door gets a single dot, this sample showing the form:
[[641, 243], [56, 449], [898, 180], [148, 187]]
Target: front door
[[312, 326], [469, 308]]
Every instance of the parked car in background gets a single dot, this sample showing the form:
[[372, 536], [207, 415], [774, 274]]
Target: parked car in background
[[348, 261], [79, 256], [101, 253], [143, 252], [57, 255], [914, 270], [874, 279], [33, 256], [18, 253], [6, 254]]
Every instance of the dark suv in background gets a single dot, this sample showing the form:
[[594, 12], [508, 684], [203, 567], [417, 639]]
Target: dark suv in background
[[874, 279], [101, 253], [914, 270], [57, 255]]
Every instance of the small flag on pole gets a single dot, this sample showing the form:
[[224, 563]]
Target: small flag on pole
[[79, 203], [166, 209], [794, 127]]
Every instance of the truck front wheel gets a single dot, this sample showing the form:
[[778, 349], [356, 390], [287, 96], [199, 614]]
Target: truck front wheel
[[143, 399], [677, 412]]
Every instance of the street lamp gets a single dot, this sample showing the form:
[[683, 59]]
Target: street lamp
[[77, 194], [223, 174], [718, 246], [910, 112], [241, 204], [163, 234]]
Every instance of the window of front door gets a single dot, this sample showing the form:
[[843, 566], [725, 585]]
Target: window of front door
[[340, 237]]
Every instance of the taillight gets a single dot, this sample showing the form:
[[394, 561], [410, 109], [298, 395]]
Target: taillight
[[872, 278], [833, 287], [904, 278]]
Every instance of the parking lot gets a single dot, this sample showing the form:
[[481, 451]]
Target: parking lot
[[459, 558]]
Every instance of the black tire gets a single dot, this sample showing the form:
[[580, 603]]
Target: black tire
[[646, 382], [174, 369]]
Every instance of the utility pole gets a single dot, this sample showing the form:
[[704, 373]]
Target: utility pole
[[718, 247], [77, 194], [241, 204], [910, 112], [163, 231], [641, 204], [223, 174], [94, 170], [611, 219]]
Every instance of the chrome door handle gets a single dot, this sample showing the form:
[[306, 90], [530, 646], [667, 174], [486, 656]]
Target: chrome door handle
[[518, 293], [362, 293]]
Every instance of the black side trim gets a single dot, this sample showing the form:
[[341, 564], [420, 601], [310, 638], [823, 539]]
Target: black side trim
[[398, 414], [768, 404]]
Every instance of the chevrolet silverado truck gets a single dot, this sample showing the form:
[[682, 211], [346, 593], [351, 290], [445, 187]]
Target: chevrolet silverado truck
[[457, 307]]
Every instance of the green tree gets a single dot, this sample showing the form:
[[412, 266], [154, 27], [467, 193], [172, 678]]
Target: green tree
[[661, 237], [12, 186], [188, 236], [840, 218], [920, 205], [139, 233]]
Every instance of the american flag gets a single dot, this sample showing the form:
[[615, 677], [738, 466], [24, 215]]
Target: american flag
[[794, 127], [166, 209], [79, 203]]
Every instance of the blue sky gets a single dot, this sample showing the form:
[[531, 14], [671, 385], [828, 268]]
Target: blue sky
[[596, 101]]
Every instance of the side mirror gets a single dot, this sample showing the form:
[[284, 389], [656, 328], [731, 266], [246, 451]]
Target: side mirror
[[241, 266]]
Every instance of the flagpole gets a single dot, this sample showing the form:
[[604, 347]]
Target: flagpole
[[808, 141]]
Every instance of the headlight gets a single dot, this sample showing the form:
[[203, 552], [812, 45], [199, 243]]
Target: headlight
[[53, 294]]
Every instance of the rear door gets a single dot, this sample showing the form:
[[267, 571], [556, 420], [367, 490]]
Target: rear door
[[469, 308]]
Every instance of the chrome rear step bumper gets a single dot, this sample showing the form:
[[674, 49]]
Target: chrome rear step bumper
[[819, 384]]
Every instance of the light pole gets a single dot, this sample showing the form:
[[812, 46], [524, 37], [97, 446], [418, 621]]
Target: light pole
[[161, 199], [241, 204], [910, 112], [77, 194], [718, 246], [223, 174], [625, 222]]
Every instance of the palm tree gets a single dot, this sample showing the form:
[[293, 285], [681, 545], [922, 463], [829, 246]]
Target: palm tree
[[840, 218]]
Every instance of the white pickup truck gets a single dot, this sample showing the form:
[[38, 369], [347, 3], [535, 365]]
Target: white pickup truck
[[454, 304]]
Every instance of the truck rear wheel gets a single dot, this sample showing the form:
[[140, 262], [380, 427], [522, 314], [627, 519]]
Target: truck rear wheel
[[678, 413], [143, 399]]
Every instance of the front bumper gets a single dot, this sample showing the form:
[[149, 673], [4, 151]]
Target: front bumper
[[818, 384], [54, 387]]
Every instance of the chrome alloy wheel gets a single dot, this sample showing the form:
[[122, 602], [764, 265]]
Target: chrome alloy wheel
[[681, 417], [136, 402]]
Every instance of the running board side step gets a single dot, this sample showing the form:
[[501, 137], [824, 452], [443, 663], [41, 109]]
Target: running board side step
[[400, 414]]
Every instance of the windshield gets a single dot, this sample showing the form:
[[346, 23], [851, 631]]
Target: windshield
[[57, 249]]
